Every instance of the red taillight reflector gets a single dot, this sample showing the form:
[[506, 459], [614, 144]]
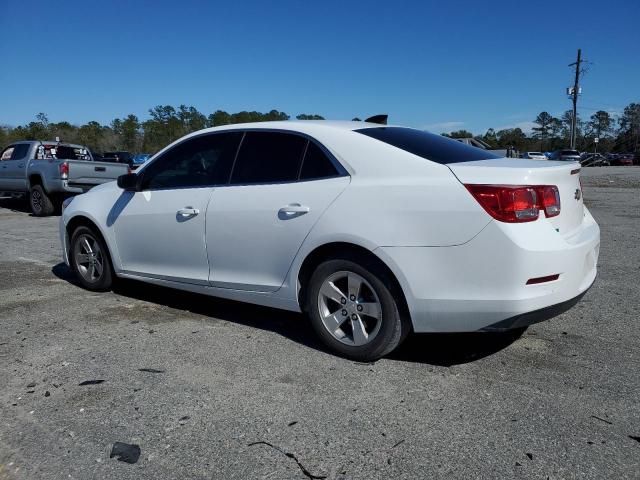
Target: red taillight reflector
[[548, 278], [64, 170], [517, 203]]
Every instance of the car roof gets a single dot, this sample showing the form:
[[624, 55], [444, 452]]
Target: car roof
[[303, 126]]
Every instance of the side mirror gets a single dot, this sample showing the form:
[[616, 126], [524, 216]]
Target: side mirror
[[129, 182]]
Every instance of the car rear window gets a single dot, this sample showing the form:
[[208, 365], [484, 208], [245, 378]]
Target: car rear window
[[63, 152], [427, 145]]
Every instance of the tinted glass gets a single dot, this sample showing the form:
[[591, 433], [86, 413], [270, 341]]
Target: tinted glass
[[427, 145], [20, 151], [570, 152], [268, 157], [202, 161], [316, 164]]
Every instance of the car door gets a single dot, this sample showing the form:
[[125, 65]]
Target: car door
[[280, 186], [13, 164], [160, 229]]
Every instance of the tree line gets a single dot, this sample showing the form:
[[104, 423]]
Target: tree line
[[166, 124], [615, 134]]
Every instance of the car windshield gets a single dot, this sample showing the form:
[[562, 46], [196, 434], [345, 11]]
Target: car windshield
[[535, 153], [427, 145]]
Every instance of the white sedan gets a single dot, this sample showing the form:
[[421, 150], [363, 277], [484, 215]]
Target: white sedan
[[373, 231]]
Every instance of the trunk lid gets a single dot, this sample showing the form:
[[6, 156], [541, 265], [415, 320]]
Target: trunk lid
[[513, 171]]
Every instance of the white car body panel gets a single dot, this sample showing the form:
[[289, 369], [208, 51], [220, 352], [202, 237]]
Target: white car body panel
[[459, 269], [141, 219], [252, 235]]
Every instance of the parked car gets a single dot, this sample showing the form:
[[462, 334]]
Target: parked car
[[534, 155], [49, 171], [139, 159], [565, 155], [372, 231], [621, 159]]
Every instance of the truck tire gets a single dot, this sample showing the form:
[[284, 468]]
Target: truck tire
[[40, 202]]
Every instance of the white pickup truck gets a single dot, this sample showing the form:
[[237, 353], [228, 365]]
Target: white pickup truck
[[50, 171]]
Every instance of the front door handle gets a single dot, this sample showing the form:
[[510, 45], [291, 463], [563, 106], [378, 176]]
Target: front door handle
[[188, 212], [293, 210], [21, 165]]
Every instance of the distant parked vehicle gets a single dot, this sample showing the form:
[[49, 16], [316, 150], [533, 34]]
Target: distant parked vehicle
[[621, 159], [118, 157], [566, 155], [50, 171], [534, 155], [140, 159]]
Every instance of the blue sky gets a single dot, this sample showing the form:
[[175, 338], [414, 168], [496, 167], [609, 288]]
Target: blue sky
[[440, 65]]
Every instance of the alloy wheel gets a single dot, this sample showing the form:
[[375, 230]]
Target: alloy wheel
[[350, 308], [36, 201], [89, 259]]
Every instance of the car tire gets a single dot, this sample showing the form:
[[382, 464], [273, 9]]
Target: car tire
[[90, 260], [373, 324], [40, 203]]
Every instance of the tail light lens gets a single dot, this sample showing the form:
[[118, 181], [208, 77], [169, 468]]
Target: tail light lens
[[550, 200], [517, 203], [64, 170]]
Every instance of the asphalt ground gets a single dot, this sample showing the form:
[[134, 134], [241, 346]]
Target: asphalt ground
[[236, 391]]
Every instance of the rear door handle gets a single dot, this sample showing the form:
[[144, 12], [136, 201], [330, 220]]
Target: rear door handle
[[294, 209], [188, 212], [21, 165], [100, 169]]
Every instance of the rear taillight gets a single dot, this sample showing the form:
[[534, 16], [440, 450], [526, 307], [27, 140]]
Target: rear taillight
[[550, 200], [64, 170], [517, 203]]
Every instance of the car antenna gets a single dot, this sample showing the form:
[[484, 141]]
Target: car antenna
[[380, 119]]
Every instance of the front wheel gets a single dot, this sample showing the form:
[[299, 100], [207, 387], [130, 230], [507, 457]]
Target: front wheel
[[353, 310], [90, 260]]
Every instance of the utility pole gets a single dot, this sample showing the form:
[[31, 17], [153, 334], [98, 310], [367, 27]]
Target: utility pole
[[574, 95]]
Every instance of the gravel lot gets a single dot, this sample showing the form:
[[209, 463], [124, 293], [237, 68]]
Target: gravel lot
[[238, 391]]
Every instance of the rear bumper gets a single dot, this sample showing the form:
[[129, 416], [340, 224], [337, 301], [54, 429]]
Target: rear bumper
[[481, 284], [537, 316]]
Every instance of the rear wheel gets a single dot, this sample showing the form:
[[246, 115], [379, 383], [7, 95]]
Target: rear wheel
[[353, 310], [41, 203], [90, 260]]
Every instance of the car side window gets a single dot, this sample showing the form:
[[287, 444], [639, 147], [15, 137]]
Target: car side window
[[202, 161], [316, 164], [7, 153], [20, 151], [268, 157]]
